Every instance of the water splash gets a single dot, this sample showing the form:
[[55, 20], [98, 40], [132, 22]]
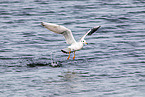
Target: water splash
[[53, 62], [39, 62]]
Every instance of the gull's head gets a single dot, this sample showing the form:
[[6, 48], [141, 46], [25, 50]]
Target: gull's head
[[84, 41]]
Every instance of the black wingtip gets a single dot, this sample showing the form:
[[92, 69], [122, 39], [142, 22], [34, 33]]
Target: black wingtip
[[93, 30], [42, 23]]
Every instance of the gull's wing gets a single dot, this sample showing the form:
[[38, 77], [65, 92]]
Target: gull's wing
[[90, 32], [60, 30]]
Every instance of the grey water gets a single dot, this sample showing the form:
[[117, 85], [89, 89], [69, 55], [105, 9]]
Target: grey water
[[111, 65]]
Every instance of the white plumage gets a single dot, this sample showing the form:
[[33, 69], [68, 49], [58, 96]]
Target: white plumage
[[69, 37]]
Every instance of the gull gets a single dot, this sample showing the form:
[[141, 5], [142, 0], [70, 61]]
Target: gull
[[74, 45]]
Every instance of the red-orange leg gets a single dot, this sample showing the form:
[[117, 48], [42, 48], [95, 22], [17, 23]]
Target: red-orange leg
[[69, 55], [74, 55]]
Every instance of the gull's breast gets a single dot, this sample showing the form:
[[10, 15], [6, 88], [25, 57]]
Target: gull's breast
[[76, 46]]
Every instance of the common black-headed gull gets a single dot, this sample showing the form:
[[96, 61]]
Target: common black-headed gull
[[74, 45]]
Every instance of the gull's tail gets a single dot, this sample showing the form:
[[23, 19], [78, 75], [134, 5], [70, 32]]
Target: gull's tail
[[66, 50]]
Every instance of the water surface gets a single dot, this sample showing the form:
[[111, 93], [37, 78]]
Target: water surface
[[111, 65]]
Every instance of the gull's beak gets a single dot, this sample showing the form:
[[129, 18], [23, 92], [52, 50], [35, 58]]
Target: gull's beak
[[86, 43]]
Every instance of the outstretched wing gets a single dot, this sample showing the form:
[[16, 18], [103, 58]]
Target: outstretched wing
[[90, 32], [60, 30]]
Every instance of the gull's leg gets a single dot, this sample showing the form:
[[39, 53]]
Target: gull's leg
[[69, 55], [74, 55]]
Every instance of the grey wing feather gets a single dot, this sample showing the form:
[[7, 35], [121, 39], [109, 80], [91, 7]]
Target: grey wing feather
[[60, 30], [91, 31], [68, 37]]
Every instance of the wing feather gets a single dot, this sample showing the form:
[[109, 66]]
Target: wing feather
[[90, 32], [60, 30]]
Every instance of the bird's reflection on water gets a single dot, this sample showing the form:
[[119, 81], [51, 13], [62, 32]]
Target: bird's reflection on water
[[71, 81], [69, 76]]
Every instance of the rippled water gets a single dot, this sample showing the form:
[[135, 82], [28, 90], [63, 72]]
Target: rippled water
[[111, 65]]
